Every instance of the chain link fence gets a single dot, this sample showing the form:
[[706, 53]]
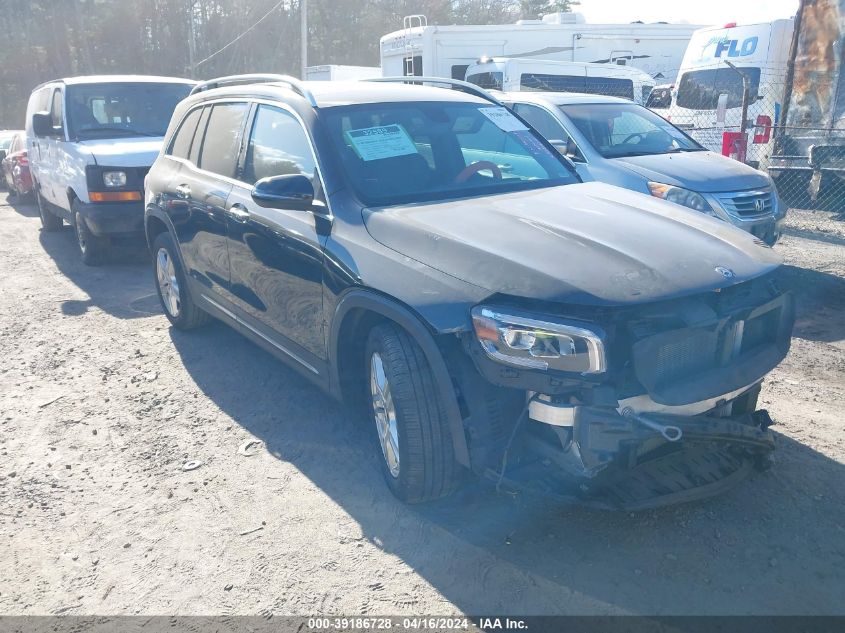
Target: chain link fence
[[795, 132]]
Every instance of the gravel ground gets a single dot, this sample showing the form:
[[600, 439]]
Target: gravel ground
[[101, 404]]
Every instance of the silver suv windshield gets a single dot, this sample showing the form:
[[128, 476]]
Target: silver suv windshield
[[406, 152], [117, 110], [619, 130]]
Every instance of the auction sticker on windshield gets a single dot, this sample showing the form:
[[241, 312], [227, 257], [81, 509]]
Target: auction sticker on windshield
[[385, 141], [503, 119]]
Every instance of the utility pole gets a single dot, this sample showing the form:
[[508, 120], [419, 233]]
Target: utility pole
[[192, 43], [303, 36]]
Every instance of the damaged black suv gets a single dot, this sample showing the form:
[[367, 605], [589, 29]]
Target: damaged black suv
[[424, 253]]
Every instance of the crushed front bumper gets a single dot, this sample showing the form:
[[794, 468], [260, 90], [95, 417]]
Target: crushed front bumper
[[619, 459]]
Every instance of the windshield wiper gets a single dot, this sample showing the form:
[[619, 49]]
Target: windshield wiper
[[129, 131]]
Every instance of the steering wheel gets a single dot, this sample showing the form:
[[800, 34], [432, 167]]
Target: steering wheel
[[634, 135], [476, 167]]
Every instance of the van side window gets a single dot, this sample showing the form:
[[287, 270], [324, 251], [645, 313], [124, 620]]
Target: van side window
[[221, 143], [181, 145], [278, 145], [56, 109], [553, 83]]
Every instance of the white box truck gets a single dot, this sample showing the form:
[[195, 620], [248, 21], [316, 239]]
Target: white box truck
[[709, 92], [447, 51]]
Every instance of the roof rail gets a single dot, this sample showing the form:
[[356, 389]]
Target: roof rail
[[465, 86], [235, 80]]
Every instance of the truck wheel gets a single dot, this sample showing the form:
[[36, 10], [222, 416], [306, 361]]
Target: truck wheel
[[411, 425], [49, 221], [172, 286], [92, 248]]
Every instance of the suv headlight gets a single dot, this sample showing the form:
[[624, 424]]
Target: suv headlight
[[532, 343], [684, 197], [114, 178]]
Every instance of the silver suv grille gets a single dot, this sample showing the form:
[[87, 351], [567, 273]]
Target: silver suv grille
[[747, 204]]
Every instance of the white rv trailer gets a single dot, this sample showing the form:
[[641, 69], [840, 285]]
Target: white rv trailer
[[708, 93], [543, 75], [340, 72], [447, 51]]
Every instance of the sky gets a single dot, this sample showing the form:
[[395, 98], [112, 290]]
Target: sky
[[709, 12]]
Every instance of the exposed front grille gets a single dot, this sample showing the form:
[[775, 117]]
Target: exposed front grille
[[681, 358], [733, 349], [747, 204]]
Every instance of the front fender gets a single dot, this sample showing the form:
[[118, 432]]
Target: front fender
[[359, 298]]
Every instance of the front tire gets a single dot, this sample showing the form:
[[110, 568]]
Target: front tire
[[172, 286], [412, 429], [50, 222], [92, 248]]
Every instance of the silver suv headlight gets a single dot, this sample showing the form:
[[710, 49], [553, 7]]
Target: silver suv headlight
[[538, 343], [114, 178], [681, 196]]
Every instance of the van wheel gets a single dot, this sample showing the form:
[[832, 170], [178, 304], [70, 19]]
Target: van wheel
[[92, 248], [49, 221], [411, 425], [172, 287]]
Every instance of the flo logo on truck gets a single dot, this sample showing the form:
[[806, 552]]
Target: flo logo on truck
[[725, 47]]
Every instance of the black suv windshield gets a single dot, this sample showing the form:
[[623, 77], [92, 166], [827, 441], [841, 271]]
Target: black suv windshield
[[406, 152], [116, 110], [617, 130]]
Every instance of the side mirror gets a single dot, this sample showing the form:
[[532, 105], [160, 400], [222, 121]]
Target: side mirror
[[42, 124], [559, 145], [568, 149], [289, 191]]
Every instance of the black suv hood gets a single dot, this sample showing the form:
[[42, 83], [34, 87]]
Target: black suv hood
[[588, 243]]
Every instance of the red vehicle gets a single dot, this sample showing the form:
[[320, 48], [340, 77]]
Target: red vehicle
[[15, 167]]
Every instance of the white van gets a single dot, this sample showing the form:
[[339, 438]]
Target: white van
[[91, 142], [708, 93], [542, 75]]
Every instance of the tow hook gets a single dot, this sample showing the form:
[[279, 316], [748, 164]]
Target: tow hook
[[669, 433]]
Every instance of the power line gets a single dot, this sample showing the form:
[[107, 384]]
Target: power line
[[263, 17]]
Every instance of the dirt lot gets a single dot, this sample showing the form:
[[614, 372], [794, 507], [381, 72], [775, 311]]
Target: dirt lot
[[101, 403]]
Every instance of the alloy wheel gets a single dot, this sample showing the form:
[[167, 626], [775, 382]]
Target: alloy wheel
[[385, 414], [168, 284]]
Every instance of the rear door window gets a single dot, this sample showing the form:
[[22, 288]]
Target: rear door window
[[181, 145], [196, 146], [221, 144]]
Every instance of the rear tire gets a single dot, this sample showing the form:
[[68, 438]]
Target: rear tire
[[172, 286], [92, 248], [50, 222], [412, 429]]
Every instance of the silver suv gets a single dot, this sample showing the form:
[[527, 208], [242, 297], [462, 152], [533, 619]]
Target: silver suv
[[621, 143]]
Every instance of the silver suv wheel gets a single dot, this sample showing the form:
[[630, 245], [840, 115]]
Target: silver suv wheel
[[168, 284], [385, 414]]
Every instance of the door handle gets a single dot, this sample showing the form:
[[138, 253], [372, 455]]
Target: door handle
[[183, 191], [239, 212]]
